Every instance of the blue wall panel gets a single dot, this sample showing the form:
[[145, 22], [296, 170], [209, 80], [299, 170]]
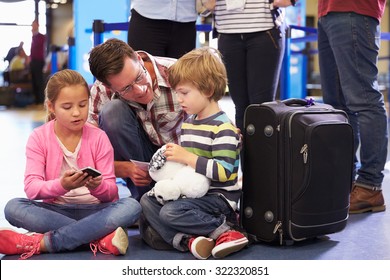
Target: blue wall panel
[[84, 13]]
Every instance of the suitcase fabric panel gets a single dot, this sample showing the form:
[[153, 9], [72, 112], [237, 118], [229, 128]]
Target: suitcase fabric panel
[[321, 172]]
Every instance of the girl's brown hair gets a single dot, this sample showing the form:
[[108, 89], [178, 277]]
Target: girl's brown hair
[[57, 82]]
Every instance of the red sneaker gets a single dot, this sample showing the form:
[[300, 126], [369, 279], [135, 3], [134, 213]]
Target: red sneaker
[[115, 243], [201, 247], [229, 242], [15, 243]]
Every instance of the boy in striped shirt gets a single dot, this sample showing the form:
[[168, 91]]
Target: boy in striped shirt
[[210, 144]]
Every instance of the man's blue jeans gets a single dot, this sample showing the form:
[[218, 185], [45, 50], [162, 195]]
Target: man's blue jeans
[[348, 45], [127, 137], [69, 226]]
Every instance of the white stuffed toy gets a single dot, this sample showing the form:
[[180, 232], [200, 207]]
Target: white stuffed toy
[[174, 180]]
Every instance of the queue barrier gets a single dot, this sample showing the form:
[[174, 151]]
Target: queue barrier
[[70, 49], [310, 36], [99, 27]]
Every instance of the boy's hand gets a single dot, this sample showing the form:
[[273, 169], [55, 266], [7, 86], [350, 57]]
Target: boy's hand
[[177, 153]]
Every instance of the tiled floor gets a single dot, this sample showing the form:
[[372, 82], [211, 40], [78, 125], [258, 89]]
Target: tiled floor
[[366, 236]]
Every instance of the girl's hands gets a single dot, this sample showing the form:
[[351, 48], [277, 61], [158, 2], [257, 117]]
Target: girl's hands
[[75, 179], [93, 183]]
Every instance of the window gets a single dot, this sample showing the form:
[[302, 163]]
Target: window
[[15, 25]]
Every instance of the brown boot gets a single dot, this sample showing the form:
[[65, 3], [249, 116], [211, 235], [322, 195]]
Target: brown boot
[[366, 200]]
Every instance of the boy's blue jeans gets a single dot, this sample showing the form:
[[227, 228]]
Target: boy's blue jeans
[[183, 218]]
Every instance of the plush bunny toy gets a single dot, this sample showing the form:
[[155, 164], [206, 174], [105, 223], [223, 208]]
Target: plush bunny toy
[[174, 180]]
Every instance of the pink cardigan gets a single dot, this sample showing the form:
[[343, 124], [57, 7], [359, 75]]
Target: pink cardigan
[[45, 157]]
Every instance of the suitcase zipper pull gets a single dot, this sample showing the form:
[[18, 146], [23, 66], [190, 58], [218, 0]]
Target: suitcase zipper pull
[[304, 151], [278, 227]]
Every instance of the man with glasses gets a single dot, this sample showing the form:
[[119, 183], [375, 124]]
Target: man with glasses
[[134, 104]]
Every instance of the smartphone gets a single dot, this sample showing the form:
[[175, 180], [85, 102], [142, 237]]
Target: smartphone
[[205, 13], [91, 171]]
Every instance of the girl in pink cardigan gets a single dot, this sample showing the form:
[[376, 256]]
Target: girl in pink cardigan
[[65, 207]]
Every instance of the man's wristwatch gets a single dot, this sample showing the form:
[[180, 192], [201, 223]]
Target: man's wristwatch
[[293, 2]]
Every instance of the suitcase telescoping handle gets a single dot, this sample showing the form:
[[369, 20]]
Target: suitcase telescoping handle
[[297, 102]]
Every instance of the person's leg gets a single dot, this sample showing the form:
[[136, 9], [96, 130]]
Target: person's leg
[[180, 219], [356, 49], [330, 80], [35, 81], [232, 48], [89, 223], [265, 51], [40, 81], [182, 39], [37, 216], [151, 213], [149, 35], [127, 137], [33, 216], [203, 226], [67, 227]]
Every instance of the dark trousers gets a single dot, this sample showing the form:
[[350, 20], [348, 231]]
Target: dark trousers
[[36, 68], [161, 37], [253, 62]]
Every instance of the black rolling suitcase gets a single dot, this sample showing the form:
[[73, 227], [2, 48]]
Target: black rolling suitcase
[[297, 170]]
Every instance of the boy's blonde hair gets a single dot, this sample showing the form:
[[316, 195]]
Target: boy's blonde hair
[[204, 68], [57, 82]]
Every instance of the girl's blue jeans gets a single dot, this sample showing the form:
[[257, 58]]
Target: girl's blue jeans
[[69, 226]]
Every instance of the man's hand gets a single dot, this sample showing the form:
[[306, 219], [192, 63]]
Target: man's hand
[[127, 169]]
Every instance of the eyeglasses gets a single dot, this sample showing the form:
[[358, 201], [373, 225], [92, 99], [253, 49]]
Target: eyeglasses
[[138, 80]]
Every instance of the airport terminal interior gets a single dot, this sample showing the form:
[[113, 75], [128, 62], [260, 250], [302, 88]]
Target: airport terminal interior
[[365, 237]]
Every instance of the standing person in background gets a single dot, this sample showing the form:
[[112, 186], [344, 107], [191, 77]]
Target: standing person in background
[[348, 45], [37, 61], [251, 39], [67, 208], [163, 27]]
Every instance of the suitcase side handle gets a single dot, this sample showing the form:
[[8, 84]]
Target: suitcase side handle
[[297, 102]]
